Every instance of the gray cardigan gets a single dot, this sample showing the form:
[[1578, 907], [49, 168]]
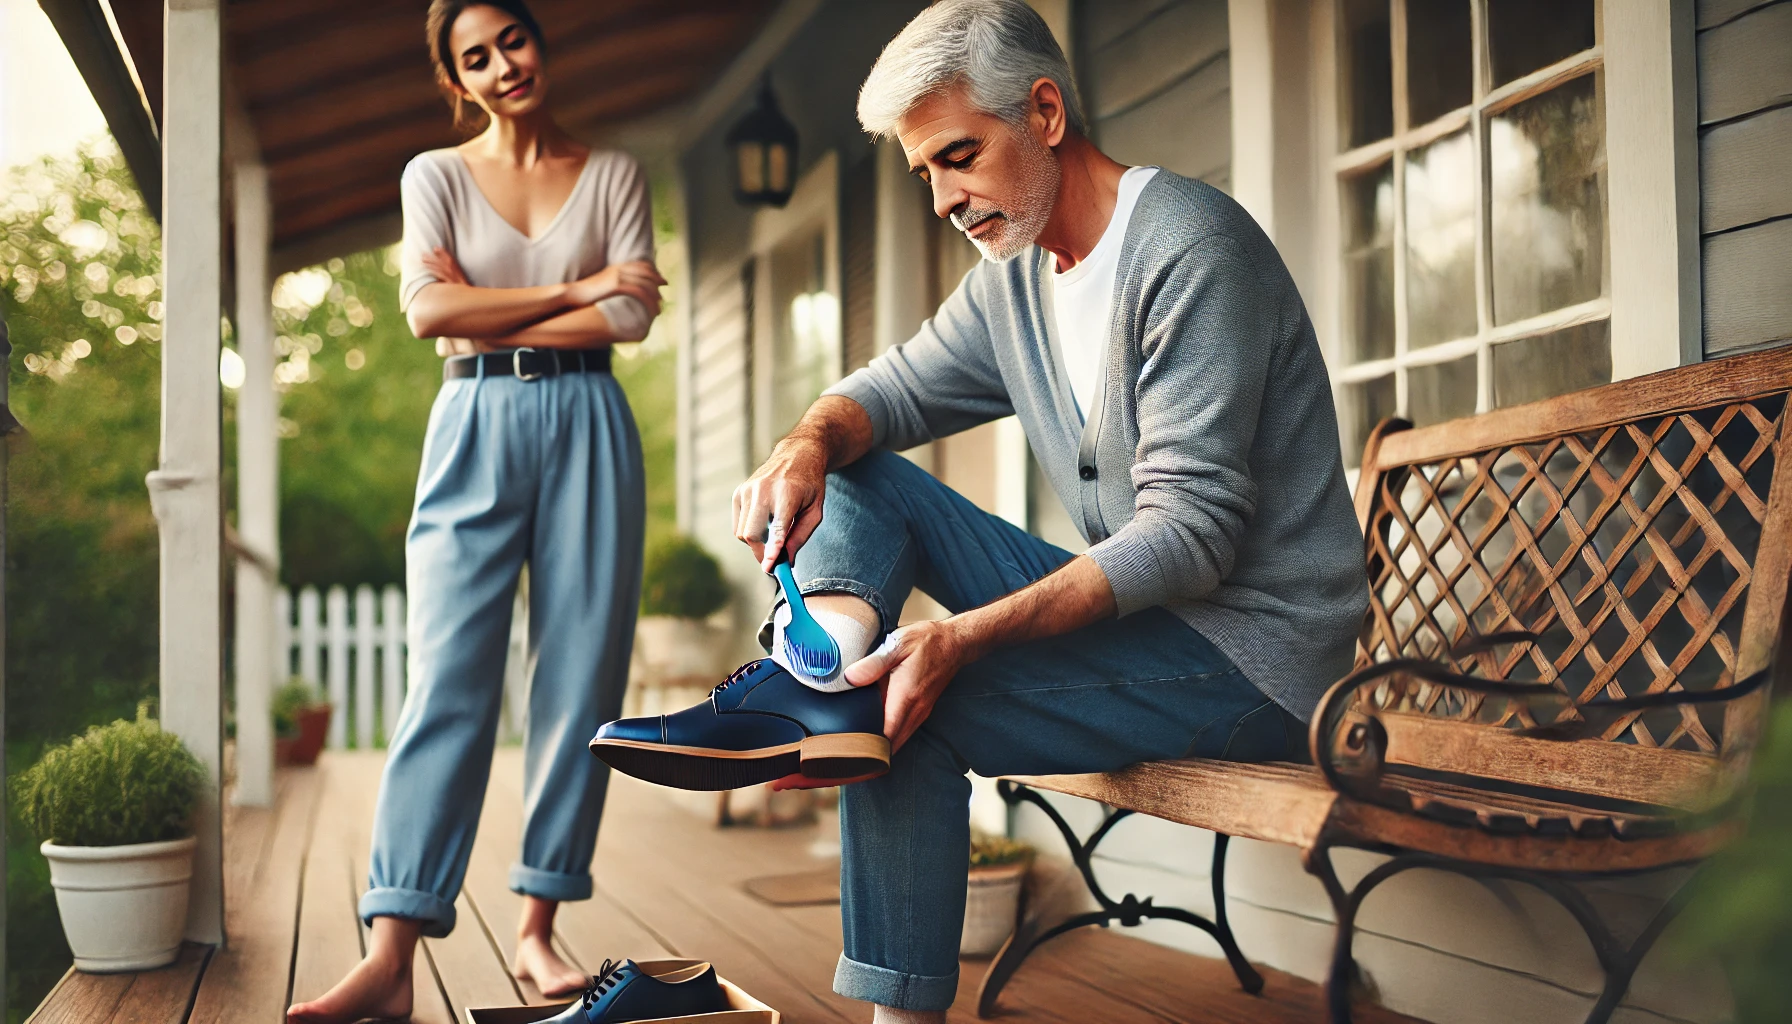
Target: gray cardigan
[[1207, 477]]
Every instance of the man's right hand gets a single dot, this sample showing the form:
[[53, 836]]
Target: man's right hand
[[637, 279], [780, 505]]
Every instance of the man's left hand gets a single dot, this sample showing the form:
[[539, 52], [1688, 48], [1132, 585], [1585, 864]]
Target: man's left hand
[[916, 663]]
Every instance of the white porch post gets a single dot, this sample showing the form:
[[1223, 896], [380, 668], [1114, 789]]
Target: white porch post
[[257, 503], [184, 490]]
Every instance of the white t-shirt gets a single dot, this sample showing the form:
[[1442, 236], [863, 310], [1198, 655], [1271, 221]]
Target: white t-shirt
[[1083, 296]]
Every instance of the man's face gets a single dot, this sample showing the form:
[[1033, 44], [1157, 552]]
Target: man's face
[[997, 182]]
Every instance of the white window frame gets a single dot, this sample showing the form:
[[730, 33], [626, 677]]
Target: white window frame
[[1286, 156]]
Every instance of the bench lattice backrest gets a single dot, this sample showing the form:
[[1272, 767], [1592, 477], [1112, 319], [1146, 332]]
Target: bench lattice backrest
[[1639, 529]]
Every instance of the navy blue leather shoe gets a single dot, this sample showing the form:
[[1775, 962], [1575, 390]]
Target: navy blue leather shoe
[[759, 725], [626, 991]]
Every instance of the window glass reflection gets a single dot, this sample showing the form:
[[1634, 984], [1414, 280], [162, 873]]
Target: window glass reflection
[[1439, 65], [1364, 405], [1366, 51], [1369, 264], [1440, 241], [1525, 35], [1570, 359], [1441, 391], [1548, 157]]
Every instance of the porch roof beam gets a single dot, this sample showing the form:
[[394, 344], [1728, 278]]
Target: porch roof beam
[[111, 77]]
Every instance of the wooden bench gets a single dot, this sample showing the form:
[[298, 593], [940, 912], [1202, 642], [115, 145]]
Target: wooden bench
[[1576, 607]]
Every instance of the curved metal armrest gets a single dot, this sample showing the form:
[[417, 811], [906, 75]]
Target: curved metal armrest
[[1367, 739]]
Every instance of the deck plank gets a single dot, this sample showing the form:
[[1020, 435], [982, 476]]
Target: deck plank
[[468, 964], [264, 850], [163, 996], [329, 939], [488, 872]]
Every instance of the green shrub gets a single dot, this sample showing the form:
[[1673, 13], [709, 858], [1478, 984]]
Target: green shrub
[[995, 851], [289, 700], [682, 579], [128, 782]]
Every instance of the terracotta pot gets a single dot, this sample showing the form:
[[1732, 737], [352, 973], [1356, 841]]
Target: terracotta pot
[[992, 903], [314, 728]]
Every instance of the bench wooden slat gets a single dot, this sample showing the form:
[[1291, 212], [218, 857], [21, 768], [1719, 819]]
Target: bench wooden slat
[[1276, 803], [1618, 771]]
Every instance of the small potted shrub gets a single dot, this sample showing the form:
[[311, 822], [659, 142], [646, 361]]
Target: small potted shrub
[[301, 723], [113, 808], [681, 586], [992, 901]]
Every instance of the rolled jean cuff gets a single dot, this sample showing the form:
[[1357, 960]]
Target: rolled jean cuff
[[433, 912], [830, 585], [549, 885], [894, 989]]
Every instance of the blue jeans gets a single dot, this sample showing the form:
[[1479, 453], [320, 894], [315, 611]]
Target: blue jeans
[[546, 472], [1141, 688]]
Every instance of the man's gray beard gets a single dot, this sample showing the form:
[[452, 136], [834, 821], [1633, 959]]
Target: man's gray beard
[[1027, 212]]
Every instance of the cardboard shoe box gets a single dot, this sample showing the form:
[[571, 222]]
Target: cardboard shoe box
[[743, 1008]]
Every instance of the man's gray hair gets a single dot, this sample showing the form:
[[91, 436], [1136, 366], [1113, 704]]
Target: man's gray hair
[[996, 48]]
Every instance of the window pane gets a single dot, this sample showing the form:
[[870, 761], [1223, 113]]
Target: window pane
[[1439, 66], [1444, 391], [1525, 35], [1366, 54], [1364, 405], [1548, 158], [1552, 364], [1440, 241], [1369, 264], [806, 329]]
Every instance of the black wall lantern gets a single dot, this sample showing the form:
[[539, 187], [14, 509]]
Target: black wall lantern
[[764, 147]]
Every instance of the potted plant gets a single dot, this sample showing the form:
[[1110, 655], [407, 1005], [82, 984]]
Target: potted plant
[[301, 723], [681, 586], [992, 901], [113, 809]]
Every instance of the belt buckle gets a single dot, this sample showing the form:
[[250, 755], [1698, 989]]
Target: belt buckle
[[516, 365]]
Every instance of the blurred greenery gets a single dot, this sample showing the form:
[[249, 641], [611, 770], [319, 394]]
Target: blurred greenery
[[80, 289], [1742, 913], [681, 578]]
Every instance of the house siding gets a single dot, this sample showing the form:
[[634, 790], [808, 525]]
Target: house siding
[[1156, 84], [1745, 150]]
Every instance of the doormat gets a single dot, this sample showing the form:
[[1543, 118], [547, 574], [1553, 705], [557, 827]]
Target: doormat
[[803, 889]]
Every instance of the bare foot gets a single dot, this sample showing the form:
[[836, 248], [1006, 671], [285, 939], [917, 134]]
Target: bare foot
[[537, 962], [377, 988]]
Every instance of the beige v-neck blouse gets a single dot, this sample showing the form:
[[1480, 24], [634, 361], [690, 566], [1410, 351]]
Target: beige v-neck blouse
[[606, 220]]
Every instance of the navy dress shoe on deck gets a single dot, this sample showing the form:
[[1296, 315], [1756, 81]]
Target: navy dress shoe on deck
[[759, 725], [627, 991]]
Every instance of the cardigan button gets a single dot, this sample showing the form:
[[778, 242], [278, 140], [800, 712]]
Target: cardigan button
[[1086, 472]]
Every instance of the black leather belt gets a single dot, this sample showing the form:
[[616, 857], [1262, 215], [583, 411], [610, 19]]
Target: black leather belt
[[529, 363]]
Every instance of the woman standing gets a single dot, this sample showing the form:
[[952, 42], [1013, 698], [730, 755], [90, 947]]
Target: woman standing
[[528, 255]]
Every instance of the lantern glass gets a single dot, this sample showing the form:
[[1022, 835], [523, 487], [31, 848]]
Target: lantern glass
[[751, 159], [777, 168]]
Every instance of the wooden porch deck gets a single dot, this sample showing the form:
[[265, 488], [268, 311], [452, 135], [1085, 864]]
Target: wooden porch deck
[[669, 884]]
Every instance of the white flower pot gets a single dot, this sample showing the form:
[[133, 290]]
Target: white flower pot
[[992, 902], [123, 907], [679, 652]]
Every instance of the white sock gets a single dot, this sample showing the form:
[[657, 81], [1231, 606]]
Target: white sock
[[889, 1015], [851, 635]]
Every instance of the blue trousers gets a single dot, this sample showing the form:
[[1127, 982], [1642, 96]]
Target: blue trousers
[[546, 472], [1111, 694]]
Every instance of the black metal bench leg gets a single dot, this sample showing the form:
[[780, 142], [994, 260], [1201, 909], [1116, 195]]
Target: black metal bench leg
[[1129, 911], [1619, 961]]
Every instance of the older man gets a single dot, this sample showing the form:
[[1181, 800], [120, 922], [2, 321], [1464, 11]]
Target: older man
[[1156, 351]]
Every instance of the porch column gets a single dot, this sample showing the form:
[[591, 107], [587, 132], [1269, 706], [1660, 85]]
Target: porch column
[[184, 489], [257, 503]]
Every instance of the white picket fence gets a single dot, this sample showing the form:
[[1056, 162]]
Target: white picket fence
[[354, 651]]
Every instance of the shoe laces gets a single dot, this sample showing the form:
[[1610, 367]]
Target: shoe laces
[[734, 677], [603, 981]]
